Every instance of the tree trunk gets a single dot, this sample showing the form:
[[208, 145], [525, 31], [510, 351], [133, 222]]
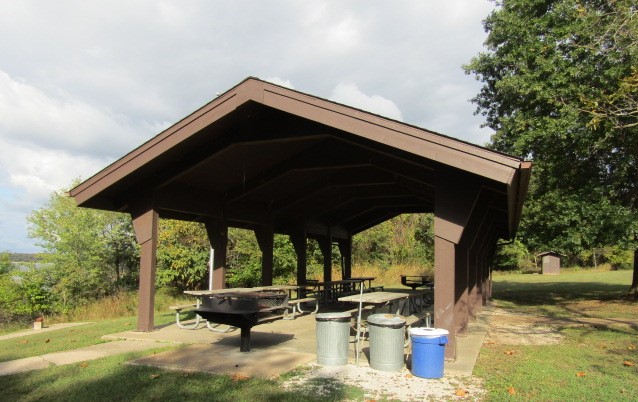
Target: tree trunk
[[634, 282]]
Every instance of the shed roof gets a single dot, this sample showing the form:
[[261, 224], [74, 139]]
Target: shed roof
[[264, 154]]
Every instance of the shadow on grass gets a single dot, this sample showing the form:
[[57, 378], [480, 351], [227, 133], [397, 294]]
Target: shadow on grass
[[571, 301], [115, 381], [558, 292]]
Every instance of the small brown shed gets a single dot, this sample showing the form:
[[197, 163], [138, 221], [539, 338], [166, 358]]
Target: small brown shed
[[550, 262]]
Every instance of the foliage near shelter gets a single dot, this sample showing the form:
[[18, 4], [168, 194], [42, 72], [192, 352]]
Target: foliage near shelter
[[91, 254], [559, 87]]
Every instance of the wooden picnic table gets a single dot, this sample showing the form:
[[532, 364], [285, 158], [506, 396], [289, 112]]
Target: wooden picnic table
[[363, 279], [272, 288], [415, 281], [331, 290], [377, 298]]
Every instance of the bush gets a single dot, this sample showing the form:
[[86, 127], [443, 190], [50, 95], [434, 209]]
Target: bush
[[514, 257], [620, 259]]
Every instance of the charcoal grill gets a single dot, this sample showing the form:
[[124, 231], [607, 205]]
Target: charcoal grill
[[243, 310]]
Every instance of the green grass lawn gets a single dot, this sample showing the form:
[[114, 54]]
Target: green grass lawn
[[592, 363], [110, 379], [589, 364]]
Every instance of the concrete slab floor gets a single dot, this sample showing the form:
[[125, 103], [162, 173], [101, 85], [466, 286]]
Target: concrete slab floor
[[277, 347]]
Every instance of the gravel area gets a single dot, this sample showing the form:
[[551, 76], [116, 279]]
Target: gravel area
[[376, 384]]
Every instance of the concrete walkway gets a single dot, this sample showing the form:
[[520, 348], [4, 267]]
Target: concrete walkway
[[47, 328], [74, 356]]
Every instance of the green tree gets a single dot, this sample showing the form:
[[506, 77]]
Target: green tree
[[407, 238], [88, 252], [182, 255], [6, 265], [558, 85]]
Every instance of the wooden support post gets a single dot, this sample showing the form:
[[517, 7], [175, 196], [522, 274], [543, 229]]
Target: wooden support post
[[217, 230], [461, 306], [299, 242], [325, 245], [145, 225], [457, 202], [444, 289], [266, 240], [474, 304], [345, 248]]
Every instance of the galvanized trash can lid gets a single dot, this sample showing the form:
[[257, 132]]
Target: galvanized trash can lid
[[333, 317], [428, 332], [387, 320]]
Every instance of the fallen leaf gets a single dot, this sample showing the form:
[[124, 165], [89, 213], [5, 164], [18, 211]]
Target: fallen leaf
[[47, 341], [461, 392], [154, 376], [509, 352], [627, 363], [511, 391], [239, 377], [490, 342], [408, 375], [580, 374], [84, 365], [631, 347]]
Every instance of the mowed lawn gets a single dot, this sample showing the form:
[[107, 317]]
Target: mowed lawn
[[592, 363]]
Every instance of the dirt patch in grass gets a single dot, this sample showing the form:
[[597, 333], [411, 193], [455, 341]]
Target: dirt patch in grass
[[510, 328], [508, 334]]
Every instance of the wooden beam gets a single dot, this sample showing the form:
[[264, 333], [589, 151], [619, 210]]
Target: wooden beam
[[145, 226], [265, 239], [217, 230]]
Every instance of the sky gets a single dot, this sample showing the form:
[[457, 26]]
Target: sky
[[84, 82]]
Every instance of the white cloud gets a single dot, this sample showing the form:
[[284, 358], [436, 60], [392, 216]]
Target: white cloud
[[350, 94], [87, 82], [280, 81], [28, 115]]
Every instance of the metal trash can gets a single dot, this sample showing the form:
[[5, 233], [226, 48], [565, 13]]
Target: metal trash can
[[428, 351], [387, 338], [333, 334]]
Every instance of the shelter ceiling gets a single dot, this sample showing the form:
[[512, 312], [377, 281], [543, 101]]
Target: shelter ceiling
[[256, 164]]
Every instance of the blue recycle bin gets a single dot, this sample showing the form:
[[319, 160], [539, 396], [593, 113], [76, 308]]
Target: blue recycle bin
[[428, 351]]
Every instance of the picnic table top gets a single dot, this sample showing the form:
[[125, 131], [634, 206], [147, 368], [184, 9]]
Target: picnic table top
[[241, 290], [379, 297], [342, 281]]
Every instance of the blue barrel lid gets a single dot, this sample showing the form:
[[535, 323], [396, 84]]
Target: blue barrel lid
[[428, 332], [387, 320]]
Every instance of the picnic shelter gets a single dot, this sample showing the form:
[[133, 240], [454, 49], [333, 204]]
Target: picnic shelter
[[276, 160]]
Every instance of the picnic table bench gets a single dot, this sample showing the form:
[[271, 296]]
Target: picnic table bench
[[416, 281]]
